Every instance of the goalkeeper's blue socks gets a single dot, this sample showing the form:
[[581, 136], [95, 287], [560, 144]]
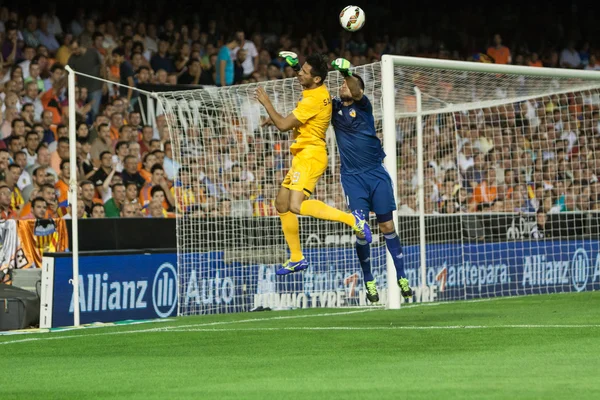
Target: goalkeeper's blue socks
[[364, 257], [393, 244]]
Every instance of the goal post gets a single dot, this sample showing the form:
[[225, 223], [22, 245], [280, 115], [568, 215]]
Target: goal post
[[73, 191], [522, 121]]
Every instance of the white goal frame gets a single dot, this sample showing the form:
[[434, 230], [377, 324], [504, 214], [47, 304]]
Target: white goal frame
[[388, 62]]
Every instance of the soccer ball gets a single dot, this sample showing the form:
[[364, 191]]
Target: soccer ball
[[352, 18]]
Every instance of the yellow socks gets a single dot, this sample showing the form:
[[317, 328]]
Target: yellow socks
[[318, 209], [290, 227]]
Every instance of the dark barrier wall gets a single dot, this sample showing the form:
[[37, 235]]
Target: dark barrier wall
[[125, 234], [223, 233]]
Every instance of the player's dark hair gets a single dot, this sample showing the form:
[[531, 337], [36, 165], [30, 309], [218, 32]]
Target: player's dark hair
[[361, 83], [318, 62]]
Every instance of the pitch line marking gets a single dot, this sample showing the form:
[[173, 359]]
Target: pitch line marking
[[380, 328], [168, 328]]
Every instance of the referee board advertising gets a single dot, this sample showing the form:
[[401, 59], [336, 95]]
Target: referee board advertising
[[454, 272], [112, 287]]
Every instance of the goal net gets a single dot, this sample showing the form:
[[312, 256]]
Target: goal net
[[229, 235], [496, 147], [509, 181]]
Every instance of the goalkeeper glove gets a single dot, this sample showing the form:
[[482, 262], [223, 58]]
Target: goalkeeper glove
[[291, 58], [342, 65]]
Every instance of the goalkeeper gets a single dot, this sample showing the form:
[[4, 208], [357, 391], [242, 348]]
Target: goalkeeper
[[366, 183], [309, 121]]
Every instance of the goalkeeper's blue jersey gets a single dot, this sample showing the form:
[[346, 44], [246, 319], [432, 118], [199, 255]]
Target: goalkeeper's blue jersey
[[354, 125]]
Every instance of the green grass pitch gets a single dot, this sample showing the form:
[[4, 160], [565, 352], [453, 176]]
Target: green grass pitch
[[536, 347]]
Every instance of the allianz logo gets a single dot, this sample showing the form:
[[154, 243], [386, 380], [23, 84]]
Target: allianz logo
[[97, 292], [541, 270]]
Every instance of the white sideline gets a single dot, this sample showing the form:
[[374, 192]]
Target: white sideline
[[380, 328], [168, 328], [171, 327]]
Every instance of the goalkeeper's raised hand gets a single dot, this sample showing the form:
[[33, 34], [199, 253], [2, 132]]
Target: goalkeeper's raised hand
[[342, 65], [291, 58]]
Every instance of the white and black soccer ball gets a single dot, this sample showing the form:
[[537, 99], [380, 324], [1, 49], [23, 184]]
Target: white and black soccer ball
[[352, 18]]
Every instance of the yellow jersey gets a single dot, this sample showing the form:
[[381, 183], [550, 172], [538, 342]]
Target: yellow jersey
[[314, 112]]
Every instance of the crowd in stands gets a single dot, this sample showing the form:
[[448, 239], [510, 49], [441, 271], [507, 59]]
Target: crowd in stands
[[485, 160]]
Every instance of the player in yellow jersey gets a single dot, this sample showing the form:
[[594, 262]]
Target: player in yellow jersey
[[309, 122]]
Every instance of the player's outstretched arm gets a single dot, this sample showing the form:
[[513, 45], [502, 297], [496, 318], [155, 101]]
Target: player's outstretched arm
[[343, 66], [282, 123]]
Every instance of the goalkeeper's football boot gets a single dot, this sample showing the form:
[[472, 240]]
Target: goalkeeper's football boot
[[405, 289], [289, 267], [372, 294], [361, 227]]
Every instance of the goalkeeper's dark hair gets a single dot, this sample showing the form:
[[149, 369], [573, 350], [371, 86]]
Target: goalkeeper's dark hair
[[361, 83], [319, 65]]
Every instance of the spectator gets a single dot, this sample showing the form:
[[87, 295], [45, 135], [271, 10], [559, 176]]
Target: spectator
[[250, 60], [64, 51], [158, 179], [89, 62], [161, 60], [62, 186], [10, 48], [54, 24], [113, 207], [539, 230], [569, 57], [130, 172], [102, 144], [192, 75], [126, 75], [169, 164], [88, 196], [17, 201], [156, 210], [499, 53], [147, 135], [38, 209], [61, 154], [38, 178], [6, 211], [129, 211], [101, 173], [486, 191], [80, 211], [122, 151], [224, 69], [45, 37], [98, 211]]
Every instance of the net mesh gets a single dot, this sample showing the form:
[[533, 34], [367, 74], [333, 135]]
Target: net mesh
[[497, 149], [228, 233], [510, 182]]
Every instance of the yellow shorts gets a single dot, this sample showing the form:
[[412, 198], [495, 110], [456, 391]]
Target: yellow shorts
[[307, 167]]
